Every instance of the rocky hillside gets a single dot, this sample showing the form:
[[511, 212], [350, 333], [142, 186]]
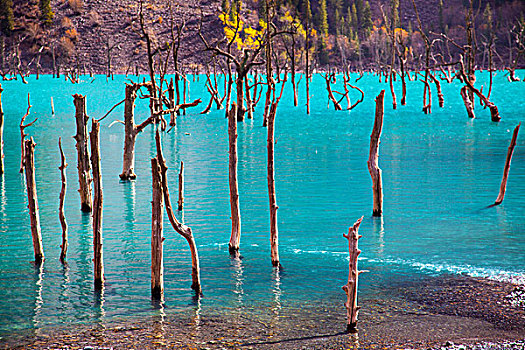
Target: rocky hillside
[[93, 35]]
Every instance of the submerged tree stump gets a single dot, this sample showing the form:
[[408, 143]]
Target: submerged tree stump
[[83, 166], [157, 264], [373, 167], [235, 236], [34, 214], [350, 287], [62, 198], [98, 263], [506, 169], [181, 229]]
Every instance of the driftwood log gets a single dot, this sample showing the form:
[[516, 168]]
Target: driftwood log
[[373, 167], [350, 287], [34, 214], [62, 198], [181, 229], [83, 166], [157, 262], [235, 237], [506, 169], [98, 263]]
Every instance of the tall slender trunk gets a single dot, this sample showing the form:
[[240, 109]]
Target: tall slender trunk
[[157, 263], [240, 95], [234, 186], [62, 198], [81, 138], [373, 167], [180, 202], [34, 212], [274, 234], [98, 264]]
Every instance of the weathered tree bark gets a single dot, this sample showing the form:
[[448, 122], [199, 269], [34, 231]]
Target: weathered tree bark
[[1, 133], [81, 138], [23, 134], [469, 106], [181, 229], [249, 107], [506, 169], [34, 214], [157, 264], [351, 287], [441, 99], [62, 198], [132, 130], [171, 98], [98, 268], [373, 167], [181, 186], [234, 186], [274, 233], [328, 77]]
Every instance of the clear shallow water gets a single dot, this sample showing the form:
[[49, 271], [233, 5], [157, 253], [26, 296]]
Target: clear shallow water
[[440, 171]]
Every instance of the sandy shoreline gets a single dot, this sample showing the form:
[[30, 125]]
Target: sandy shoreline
[[428, 314]]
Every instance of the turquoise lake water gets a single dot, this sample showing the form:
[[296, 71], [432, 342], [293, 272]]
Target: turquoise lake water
[[440, 172]]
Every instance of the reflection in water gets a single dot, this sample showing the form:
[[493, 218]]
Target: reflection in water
[[238, 277], [99, 312], [197, 316], [159, 318], [3, 198], [39, 301], [276, 291], [378, 227]]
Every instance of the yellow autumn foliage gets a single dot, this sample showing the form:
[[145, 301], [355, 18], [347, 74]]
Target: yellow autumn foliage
[[244, 36]]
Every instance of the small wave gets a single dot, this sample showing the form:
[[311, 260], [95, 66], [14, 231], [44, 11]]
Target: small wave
[[473, 271], [300, 251]]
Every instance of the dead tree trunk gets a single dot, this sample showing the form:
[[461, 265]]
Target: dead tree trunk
[[181, 186], [351, 287], [81, 138], [1, 134], [329, 77], [23, 134], [181, 229], [62, 198], [274, 234], [441, 99], [373, 167], [131, 131], [469, 105], [506, 169], [157, 264], [234, 186], [34, 214], [98, 268]]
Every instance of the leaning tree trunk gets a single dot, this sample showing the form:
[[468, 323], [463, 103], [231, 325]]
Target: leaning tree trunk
[[274, 234], [81, 137], [373, 167], [34, 215], [503, 185], [351, 287], [1, 134], [62, 199], [181, 229], [469, 106], [157, 264], [234, 186], [98, 263]]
